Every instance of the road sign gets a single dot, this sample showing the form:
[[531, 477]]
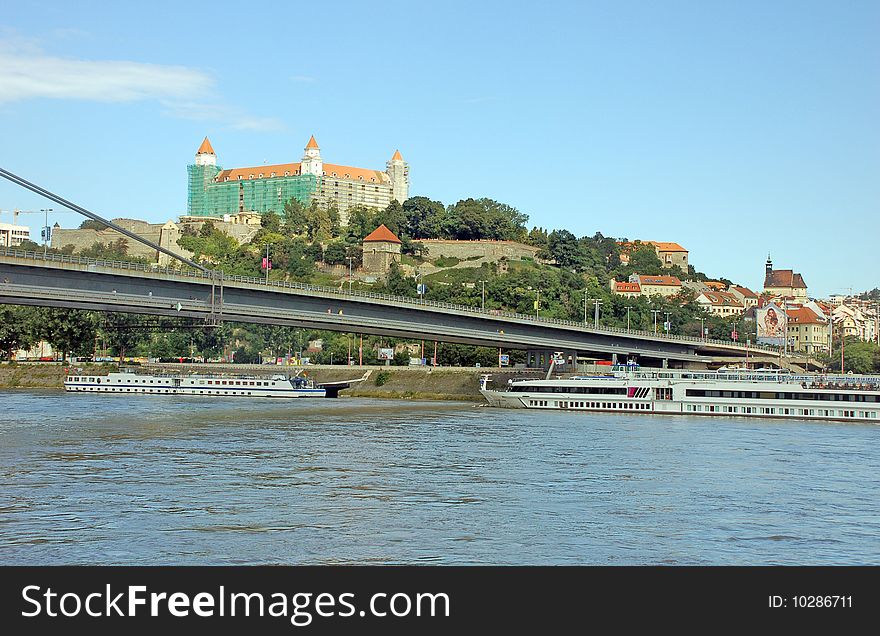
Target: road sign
[[504, 360], [422, 288]]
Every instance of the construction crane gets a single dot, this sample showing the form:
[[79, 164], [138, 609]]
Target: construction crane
[[45, 232], [16, 212]]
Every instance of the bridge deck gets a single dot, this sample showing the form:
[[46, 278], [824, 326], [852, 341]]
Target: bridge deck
[[70, 281]]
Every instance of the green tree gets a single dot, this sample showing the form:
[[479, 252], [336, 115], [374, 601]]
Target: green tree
[[271, 222], [68, 330], [361, 221], [17, 329], [335, 253], [393, 217], [90, 224], [424, 218]]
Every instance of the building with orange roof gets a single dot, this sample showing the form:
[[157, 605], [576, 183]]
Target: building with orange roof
[[745, 295], [381, 248], [657, 285], [808, 331], [720, 303], [783, 282], [214, 191], [670, 254], [628, 290]]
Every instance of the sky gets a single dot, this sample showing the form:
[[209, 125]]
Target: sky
[[733, 128]]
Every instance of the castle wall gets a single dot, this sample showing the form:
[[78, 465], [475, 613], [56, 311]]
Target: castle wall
[[492, 250]]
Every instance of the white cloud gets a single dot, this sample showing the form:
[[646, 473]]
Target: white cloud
[[228, 115], [303, 78], [27, 72]]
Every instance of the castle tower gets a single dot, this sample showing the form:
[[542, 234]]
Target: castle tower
[[205, 154], [311, 161], [200, 173], [380, 248], [768, 266], [398, 172]]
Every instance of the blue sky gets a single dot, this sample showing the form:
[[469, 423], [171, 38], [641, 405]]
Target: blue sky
[[732, 128]]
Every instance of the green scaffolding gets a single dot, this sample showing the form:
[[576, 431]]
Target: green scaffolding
[[207, 197]]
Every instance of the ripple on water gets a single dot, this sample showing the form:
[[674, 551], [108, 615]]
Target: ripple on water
[[111, 479]]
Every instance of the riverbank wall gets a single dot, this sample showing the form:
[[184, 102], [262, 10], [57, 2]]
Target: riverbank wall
[[417, 383], [43, 375]]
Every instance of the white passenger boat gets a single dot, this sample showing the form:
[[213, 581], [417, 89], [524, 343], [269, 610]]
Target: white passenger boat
[[742, 392], [276, 386]]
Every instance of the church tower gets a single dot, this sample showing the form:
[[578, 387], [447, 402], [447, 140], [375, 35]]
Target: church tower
[[311, 161], [398, 171], [201, 173]]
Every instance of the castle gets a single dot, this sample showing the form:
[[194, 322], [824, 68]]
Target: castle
[[214, 191]]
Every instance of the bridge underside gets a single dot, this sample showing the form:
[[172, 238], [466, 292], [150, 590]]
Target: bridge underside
[[88, 287]]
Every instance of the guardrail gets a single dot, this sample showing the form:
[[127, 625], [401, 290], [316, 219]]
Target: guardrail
[[400, 301]]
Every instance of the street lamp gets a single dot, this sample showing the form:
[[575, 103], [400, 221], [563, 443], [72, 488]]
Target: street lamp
[[267, 264], [655, 312], [596, 302], [349, 273], [628, 307], [585, 307], [483, 302], [667, 326], [45, 211], [702, 329], [537, 304], [420, 289]]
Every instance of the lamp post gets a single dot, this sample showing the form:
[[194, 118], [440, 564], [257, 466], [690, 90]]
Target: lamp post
[[655, 312], [585, 307], [349, 273], [45, 211], [702, 329], [537, 304], [628, 307], [667, 326], [419, 288], [483, 301], [596, 302], [268, 267]]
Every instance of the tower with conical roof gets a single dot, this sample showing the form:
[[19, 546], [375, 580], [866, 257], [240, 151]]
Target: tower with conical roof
[[201, 172], [205, 155], [398, 171], [311, 161]]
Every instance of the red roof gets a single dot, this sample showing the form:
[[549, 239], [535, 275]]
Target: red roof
[[784, 278], [804, 316], [745, 291], [312, 143], [660, 280], [722, 299], [396, 156], [382, 235], [627, 287], [331, 170], [205, 148]]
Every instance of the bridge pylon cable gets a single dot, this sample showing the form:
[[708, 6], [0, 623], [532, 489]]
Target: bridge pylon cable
[[33, 187]]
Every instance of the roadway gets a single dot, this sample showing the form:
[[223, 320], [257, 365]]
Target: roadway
[[76, 282]]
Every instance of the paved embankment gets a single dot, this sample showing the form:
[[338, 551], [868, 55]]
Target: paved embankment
[[43, 375], [425, 383]]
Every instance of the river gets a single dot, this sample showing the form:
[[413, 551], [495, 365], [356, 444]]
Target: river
[[107, 479]]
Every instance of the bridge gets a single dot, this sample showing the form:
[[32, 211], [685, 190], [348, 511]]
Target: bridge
[[60, 280]]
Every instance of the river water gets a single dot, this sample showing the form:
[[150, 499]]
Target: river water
[[106, 479]]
